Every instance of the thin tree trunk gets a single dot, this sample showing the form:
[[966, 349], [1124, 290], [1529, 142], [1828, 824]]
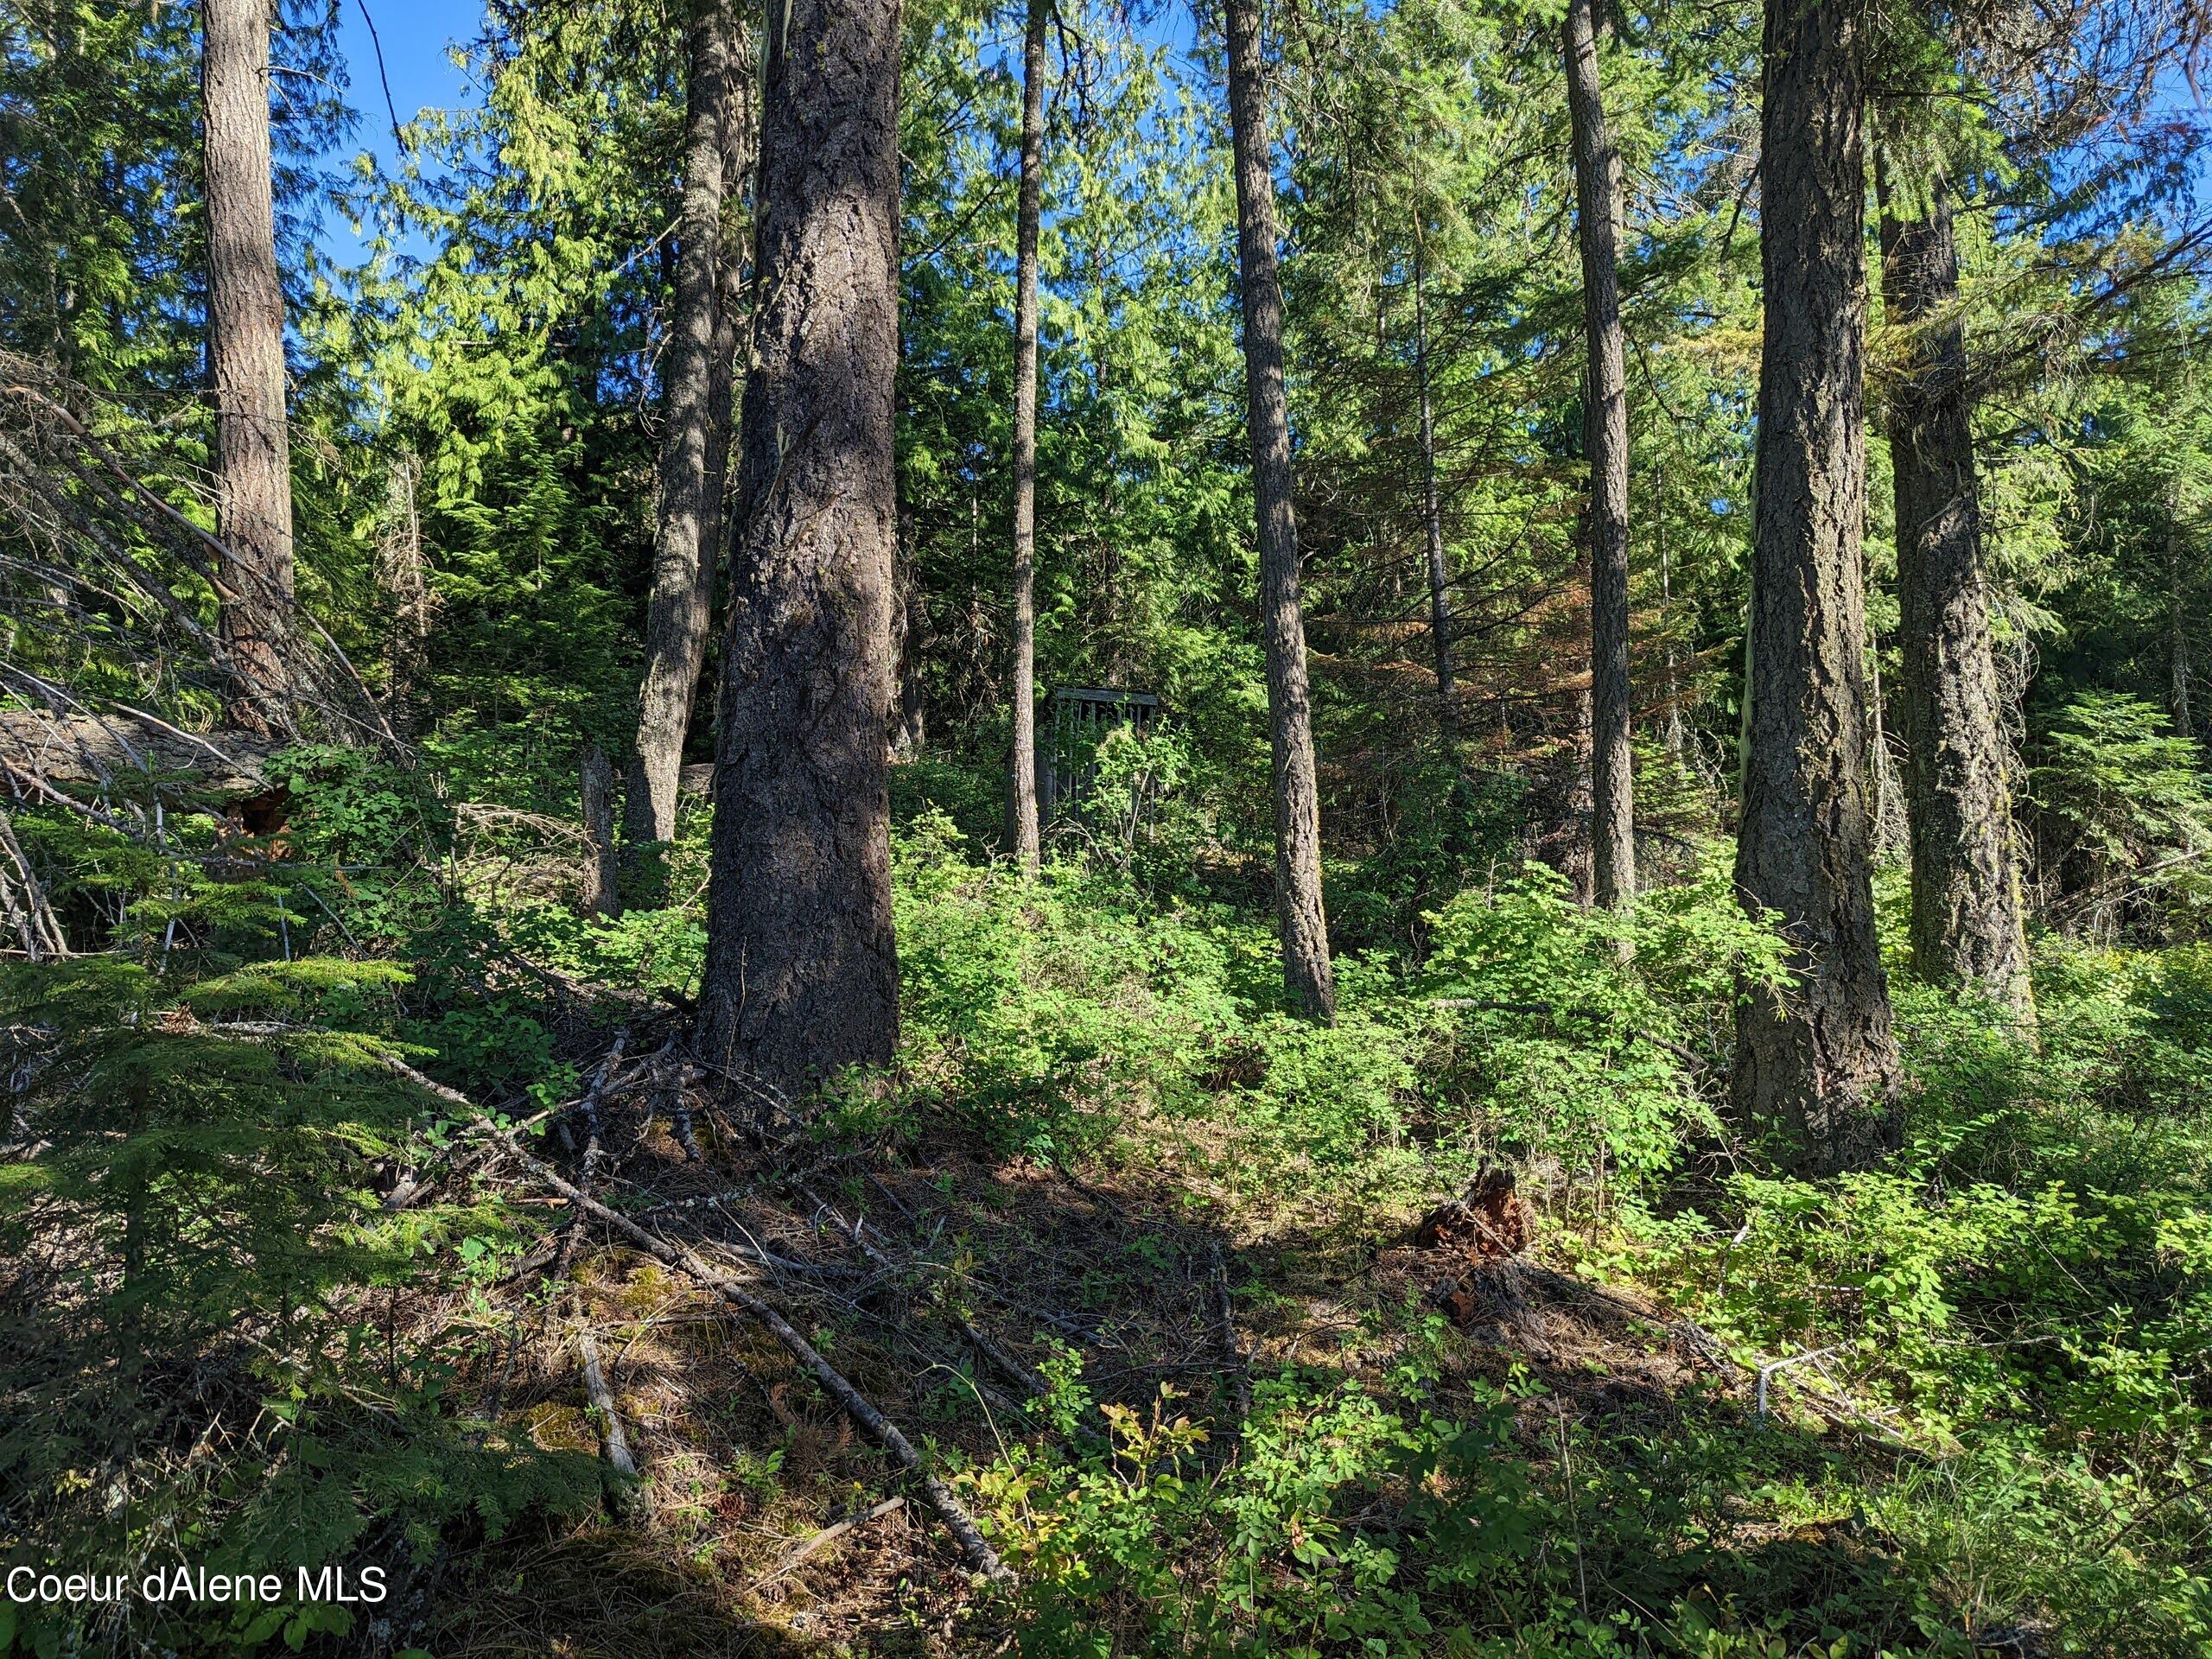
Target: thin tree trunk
[[1677, 738], [1966, 925], [596, 782], [694, 452], [1439, 592], [909, 635], [1598, 192], [1889, 835], [245, 352], [1308, 972], [2177, 627], [1021, 757], [403, 573], [1818, 1057], [802, 973], [27, 907]]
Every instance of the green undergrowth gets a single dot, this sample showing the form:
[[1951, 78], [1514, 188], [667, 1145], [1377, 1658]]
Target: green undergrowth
[[1987, 1361], [1990, 1423]]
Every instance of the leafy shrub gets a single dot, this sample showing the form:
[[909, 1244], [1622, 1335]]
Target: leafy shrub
[[1287, 1556], [1583, 1025], [1045, 1010]]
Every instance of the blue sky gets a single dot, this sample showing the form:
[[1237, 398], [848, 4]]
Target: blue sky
[[416, 34]]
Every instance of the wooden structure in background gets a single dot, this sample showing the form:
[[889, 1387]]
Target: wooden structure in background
[[1082, 717]]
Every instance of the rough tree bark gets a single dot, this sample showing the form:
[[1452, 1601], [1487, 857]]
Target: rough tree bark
[[694, 450], [1440, 590], [1598, 193], [802, 974], [1966, 926], [1308, 972], [245, 354], [1022, 755], [1819, 1057]]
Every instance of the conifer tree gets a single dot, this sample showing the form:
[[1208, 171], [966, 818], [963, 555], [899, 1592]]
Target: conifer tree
[[1432, 505], [1966, 927], [1818, 1058], [1021, 759], [1308, 972], [245, 354], [695, 444], [1597, 195], [802, 972]]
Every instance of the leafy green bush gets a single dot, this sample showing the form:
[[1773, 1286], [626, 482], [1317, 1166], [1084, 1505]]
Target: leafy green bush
[[1148, 1545], [1047, 1012], [1582, 1028]]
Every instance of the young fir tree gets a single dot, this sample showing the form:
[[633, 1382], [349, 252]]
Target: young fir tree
[[1818, 1060], [802, 972], [1307, 972]]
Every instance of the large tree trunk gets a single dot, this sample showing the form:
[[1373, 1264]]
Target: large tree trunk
[[802, 975], [1966, 889], [694, 450], [1598, 192], [245, 352], [1818, 1057], [1021, 754], [1431, 509], [1306, 970]]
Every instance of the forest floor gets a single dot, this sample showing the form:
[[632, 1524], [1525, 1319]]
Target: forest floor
[[963, 1292], [1472, 1325]]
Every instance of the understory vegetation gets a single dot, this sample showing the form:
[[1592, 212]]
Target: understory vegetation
[[1952, 1405]]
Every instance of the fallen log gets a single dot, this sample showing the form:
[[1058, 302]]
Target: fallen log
[[125, 748]]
